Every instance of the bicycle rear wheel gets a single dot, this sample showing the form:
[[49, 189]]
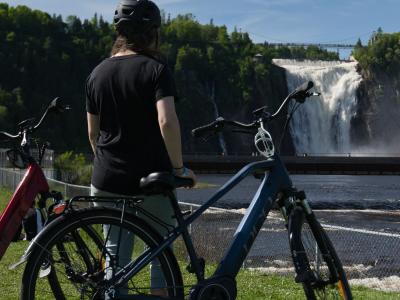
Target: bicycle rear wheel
[[317, 265], [67, 261], [82, 244]]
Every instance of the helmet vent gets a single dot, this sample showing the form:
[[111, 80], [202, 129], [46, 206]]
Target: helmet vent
[[127, 11]]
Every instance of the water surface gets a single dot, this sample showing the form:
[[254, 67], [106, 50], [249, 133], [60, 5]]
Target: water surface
[[323, 191]]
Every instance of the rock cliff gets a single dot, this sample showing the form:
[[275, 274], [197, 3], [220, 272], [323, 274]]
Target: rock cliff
[[376, 126], [268, 91]]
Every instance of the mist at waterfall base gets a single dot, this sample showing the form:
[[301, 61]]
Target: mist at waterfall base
[[323, 125]]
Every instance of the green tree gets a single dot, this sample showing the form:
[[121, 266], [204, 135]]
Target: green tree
[[43, 56]]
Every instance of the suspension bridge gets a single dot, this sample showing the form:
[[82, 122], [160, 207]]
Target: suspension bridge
[[320, 45]]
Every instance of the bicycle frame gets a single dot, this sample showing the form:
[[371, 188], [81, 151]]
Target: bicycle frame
[[33, 183], [276, 181]]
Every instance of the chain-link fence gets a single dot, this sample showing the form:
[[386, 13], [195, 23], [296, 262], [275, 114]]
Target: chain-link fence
[[369, 256], [11, 178]]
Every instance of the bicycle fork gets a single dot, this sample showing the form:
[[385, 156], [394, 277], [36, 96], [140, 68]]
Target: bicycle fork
[[295, 208]]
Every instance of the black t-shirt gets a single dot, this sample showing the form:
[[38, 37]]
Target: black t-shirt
[[123, 91]]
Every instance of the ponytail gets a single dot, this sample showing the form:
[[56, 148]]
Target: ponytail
[[147, 43]]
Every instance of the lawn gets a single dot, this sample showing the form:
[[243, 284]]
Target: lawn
[[251, 284]]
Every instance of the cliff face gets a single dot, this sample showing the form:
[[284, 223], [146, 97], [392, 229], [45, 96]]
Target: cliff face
[[272, 92], [376, 126], [374, 129]]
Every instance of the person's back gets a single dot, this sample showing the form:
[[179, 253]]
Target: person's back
[[133, 128], [123, 91]]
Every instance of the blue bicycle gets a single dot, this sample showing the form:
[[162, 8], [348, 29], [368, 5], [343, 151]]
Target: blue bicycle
[[59, 267]]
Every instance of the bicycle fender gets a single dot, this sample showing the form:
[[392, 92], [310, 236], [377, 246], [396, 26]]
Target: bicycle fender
[[26, 254], [33, 242]]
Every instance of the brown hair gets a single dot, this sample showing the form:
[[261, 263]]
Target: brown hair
[[142, 43]]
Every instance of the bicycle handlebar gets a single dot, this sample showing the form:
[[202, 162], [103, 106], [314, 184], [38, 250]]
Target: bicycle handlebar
[[27, 127], [299, 94], [219, 124], [7, 135]]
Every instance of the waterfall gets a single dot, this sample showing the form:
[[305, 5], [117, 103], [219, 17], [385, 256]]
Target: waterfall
[[322, 124]]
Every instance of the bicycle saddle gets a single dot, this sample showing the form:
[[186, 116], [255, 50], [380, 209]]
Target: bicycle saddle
[[161, 182], [157, 183]]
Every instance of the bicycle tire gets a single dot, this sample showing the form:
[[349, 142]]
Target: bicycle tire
[[316, 262], [91, 265], [90, 286]]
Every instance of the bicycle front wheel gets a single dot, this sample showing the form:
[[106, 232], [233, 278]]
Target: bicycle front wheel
[[316, 263], [70, 261]]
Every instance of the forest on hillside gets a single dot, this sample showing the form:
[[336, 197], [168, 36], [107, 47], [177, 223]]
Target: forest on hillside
[[382, 52], [217, 72], [379, 92]]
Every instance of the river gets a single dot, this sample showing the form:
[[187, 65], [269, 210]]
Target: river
[[360, 214], [323, 191]]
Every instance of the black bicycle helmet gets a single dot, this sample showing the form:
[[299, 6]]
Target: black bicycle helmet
[[137, 15]]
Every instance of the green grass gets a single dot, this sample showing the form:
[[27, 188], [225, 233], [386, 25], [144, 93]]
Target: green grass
[[251, 285], [10, 279], [5, 196], [254, 285]]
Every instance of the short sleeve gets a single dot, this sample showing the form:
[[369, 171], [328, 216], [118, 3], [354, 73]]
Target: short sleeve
[[165, 85], [91, 106]]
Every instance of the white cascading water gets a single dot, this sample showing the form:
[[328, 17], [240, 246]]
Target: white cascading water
[[322, 124]]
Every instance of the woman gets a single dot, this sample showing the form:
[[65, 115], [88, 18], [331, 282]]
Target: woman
[[132, 125]]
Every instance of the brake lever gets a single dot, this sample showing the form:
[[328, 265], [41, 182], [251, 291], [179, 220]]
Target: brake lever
[[66, 107], [302, 98], [309, 94], [62, 108]]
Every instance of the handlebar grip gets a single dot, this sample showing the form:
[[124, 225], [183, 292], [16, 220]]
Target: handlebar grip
[[301, 92], [200, 131], [305, 87]]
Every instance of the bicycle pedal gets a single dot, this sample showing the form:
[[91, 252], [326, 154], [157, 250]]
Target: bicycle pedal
[[186, 213]]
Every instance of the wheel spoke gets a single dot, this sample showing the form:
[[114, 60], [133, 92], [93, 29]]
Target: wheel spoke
[[75, 264], [329, 280]]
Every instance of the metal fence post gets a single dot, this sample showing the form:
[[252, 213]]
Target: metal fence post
[[190, 225], [65, 191]]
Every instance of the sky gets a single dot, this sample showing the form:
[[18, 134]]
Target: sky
[[301, 21]]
